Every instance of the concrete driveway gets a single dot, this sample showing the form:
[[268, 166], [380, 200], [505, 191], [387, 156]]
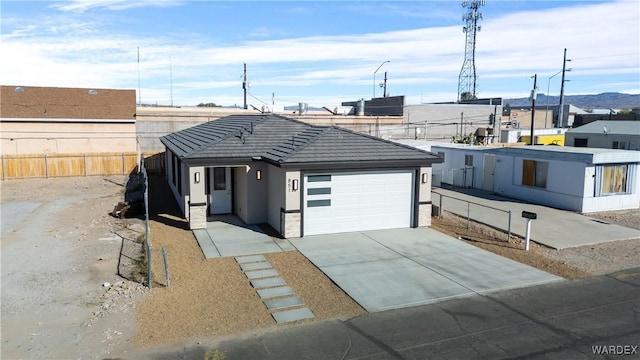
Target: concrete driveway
[[390, 269], [558, 229]]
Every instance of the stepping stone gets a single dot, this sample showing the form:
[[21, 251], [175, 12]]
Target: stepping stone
[[283, 302], [292, 315], [275, 291], [250, 259], [258, 274], [255, 266], [268, 282]]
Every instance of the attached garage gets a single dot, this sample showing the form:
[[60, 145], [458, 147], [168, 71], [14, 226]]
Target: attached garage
[[344, 202]]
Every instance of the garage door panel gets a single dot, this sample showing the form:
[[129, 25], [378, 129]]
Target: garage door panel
[[358, 202]]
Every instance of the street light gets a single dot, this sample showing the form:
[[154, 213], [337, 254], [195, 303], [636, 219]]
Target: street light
[[374, 77], [548, 83], [547, 111]]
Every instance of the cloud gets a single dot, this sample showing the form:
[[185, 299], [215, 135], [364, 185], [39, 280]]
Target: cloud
[[80, 6], [91, 50]]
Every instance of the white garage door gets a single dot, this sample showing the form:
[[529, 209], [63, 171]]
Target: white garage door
[[344, 202]]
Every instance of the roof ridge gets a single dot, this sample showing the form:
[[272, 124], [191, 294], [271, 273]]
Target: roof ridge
[[296, 148]]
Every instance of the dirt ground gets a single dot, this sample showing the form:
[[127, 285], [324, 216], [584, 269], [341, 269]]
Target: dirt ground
[[59, 247], [571, 263]]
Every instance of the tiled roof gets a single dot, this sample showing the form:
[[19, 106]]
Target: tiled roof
[[286, 142]]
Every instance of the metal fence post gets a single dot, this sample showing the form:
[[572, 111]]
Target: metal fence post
[[4, 173], [440, 212], [468, 214], [509, 231], [84, 162], [123, 170], [166, 267], [46, 167]]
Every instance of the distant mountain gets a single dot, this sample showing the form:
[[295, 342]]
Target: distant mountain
[[611, 100]]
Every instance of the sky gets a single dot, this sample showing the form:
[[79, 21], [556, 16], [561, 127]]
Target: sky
[[321, 53]]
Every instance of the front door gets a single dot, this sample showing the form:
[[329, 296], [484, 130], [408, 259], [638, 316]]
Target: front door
[[488, 172], [220, 195]]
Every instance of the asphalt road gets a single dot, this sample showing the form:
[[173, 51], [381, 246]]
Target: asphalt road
[[560, 320]]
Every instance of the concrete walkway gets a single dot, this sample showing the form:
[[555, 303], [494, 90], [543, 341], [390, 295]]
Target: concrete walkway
[[227, 235], [390, 269], [558, 229]]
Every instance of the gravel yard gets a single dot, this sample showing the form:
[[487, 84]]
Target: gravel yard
[[60, 246]]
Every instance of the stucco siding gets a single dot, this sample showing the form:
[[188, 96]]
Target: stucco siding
[[240, 196], [276, 185], [257, 193]]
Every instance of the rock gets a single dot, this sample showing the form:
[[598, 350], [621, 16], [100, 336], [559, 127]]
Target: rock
[[106, 284]]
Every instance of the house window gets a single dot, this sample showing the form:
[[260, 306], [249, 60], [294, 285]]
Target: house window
[[580, 142], [614, 179], [534, 173], [317, 203], [319, 191], [219, 178], [319, 178], [618, 145], [468, 160]]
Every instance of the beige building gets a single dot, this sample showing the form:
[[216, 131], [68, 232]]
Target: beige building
[[51, 120]]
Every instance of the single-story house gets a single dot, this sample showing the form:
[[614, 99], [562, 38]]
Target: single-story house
[[606, 134], [577, 179], [299, 178]]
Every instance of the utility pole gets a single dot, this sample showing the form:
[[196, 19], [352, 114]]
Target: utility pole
[[245, 85], [561, 106], [385, 85], [534, 93]]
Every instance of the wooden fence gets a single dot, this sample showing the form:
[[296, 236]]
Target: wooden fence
[[59, 165]]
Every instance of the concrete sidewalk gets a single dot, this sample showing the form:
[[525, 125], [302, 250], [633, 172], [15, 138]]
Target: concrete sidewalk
[[558, 229], [390, 269]]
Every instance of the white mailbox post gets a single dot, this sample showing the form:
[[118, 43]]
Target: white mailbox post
[[529, 216]]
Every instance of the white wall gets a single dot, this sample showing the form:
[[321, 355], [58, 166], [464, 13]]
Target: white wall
[[565, 182], [452, 170]]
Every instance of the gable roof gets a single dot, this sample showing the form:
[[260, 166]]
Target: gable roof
[[287, 142], [630, 127]]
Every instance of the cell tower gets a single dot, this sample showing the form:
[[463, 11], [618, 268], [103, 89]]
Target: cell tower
[[467, 84]]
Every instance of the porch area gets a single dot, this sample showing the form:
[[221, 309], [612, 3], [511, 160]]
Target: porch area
[[227, 235]]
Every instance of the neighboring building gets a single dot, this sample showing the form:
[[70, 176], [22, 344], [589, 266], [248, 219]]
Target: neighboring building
[[606, 134], [541, 136], [578, 179], [51, 120], [444, 121], [299, 178], [520, 118]]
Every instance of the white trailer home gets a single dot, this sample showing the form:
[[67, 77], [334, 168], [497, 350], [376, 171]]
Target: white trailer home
[[578, 179]]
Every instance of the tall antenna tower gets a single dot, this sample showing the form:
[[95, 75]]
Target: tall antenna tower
[[467, 81]]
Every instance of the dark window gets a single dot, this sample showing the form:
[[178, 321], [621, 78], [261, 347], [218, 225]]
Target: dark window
[[316, 203], [468, 160], [580, 142], [619, 145], [319, 191], [219, 178], [319, 178], [534, 173]]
